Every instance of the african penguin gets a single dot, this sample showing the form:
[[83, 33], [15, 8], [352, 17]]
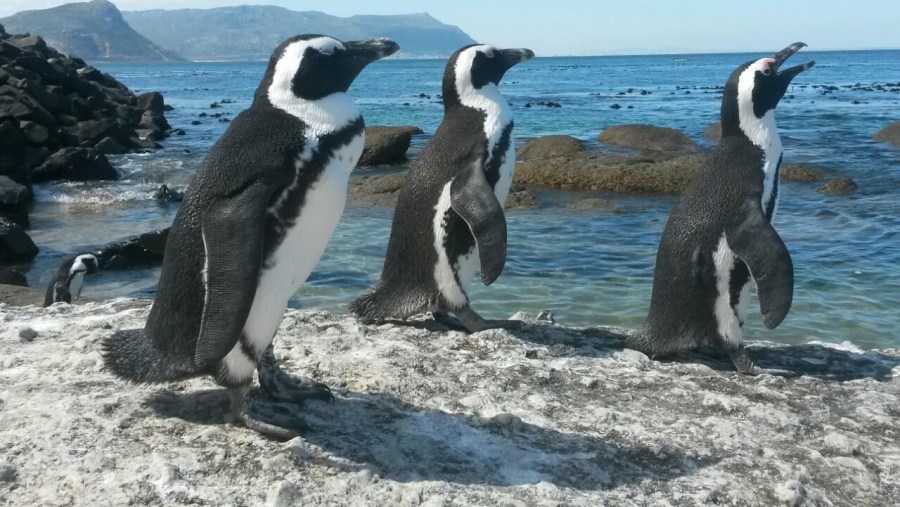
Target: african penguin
[[251, 227], [719, 235], [66, 284], [449, 220]]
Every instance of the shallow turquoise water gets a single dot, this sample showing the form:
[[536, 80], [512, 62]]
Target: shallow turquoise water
[[589, 266]]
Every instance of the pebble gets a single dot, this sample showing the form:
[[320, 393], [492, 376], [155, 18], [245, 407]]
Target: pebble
[[26, 334]]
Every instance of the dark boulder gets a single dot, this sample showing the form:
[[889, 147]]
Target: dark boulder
[[110, 146], [14, 199], [154, 121], [34, 133], [143, 250], [13, 161], [387, 145], [15, 245], [151, 101], [12, 277], [29, 43], [75, 164], [92, 131]]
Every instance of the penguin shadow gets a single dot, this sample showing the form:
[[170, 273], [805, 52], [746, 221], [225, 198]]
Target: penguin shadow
[[203, 406], [810, 359], [406, 443], [598, 342]]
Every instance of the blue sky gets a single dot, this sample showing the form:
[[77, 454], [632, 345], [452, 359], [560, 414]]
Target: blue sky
[[590, 27]]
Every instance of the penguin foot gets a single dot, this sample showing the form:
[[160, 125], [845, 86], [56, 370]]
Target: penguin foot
[[275, 384], [448, 320], [745, 365], [275, 420], [473, 322], [742, 361]]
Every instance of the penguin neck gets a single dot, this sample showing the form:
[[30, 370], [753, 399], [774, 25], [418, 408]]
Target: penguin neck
[[762, 133], [489, 101], [321, 116]]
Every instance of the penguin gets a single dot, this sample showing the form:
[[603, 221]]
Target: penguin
[[449, 222], [165, 195], [66, 284], [249, 231], [720, 233]]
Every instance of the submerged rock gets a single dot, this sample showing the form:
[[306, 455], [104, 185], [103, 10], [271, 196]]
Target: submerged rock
[[839, 186], [800, 173], [546, 416], [890, 133]]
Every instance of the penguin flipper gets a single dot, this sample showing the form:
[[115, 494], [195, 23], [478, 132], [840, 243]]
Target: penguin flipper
[[757, 243], [473, 199], [233, 229]]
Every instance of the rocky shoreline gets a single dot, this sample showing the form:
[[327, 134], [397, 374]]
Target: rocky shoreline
[[59, 119], [548, 415]]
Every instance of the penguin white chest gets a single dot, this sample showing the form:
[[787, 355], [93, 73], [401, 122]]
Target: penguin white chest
[[303, 241], [75, 285], [501, 189]]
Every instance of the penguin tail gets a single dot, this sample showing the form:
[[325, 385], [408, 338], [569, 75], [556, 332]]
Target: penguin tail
[[131, 355]]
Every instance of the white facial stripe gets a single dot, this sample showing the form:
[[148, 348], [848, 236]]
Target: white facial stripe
[[761, 131], [487, 99], [324, 115]]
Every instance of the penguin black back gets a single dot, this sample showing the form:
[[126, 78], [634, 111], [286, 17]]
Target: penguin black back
[[719, 235]]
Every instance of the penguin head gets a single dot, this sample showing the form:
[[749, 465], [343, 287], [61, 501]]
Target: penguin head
[[754, 89], [476, 70], [312, 67], [84, 264]]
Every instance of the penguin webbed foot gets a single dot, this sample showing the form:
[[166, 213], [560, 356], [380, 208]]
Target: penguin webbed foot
[[474, 323], [746, 366], [274, 420], [275, 384]]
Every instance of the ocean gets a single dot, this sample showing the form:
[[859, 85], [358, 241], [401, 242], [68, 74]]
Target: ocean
[[590, 267]]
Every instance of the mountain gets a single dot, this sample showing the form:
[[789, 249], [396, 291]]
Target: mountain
[[92, 30], [251, 32]]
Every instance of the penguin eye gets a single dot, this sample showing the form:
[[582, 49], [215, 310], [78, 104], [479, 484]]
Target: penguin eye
[[767, 71], [489, 53]]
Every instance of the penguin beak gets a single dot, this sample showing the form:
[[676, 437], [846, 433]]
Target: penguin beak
[[512, 57], [372, 49], [788, 74]]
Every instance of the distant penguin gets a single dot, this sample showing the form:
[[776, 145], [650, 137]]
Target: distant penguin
[[164, 195], [66, 284], [449, 220], [719, 235], [250, 229]]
